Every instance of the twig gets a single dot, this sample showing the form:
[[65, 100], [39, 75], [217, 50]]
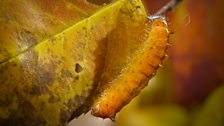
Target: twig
[[168, 7]]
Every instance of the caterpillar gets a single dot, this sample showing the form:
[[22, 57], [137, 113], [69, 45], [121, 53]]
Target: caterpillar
[[142, 68]]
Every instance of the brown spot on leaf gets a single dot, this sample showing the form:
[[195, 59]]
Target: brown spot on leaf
[[26, 36], [5, 102], [64, 115], [37, 73], [25, 116], [66, 74], [53, 99]]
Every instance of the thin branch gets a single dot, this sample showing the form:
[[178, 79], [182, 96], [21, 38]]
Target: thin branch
[[168, 7]]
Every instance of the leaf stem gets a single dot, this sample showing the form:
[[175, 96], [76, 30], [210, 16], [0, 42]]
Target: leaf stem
[[168, 7]]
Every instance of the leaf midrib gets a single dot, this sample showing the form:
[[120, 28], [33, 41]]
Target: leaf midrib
[[57, 33]]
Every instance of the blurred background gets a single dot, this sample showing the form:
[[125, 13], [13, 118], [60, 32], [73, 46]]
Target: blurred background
[[188, 90]]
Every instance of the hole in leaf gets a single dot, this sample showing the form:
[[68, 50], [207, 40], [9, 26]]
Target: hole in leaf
[[78, 68]]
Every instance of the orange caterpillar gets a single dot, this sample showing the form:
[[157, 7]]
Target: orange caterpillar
[[142, 68]]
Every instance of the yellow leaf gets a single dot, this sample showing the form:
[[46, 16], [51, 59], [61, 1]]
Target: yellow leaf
[[44, 81]]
